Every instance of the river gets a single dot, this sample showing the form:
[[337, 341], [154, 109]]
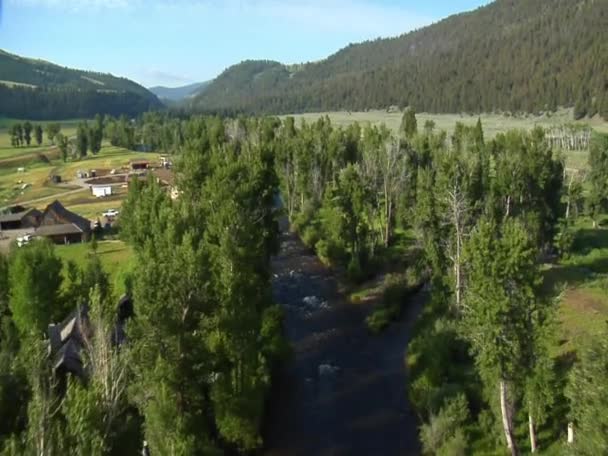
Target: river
[[343, 390]]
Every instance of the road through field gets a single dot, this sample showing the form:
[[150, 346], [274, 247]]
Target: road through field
[[343, 392]]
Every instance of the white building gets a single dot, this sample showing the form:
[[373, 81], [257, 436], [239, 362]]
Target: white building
[[101, 190]]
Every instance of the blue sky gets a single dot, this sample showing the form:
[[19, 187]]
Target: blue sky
[[175, 42]]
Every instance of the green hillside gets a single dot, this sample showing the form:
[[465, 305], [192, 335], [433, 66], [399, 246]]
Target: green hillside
[[512, 55], [37, 89]]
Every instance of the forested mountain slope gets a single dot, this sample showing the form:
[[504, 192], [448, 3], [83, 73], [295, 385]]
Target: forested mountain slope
[[512, 55], [37, 89]]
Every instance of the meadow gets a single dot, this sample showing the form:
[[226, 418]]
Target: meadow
[[116, 259], [492, 123], [33, 186]]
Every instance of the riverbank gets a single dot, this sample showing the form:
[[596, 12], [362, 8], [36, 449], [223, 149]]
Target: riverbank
[[343, 392]]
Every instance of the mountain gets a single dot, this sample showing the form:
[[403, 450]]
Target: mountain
[[36, 89], [511, 55], [179, 93]]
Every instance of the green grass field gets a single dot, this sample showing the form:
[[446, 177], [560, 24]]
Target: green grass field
[[33, 187], [116, 259], [492, 123]]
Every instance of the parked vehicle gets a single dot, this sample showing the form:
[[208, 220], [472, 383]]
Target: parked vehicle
[[110, 213], [24, 240]]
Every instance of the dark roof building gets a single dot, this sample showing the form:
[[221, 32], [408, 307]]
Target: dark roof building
[[28, 218], [63, 226], [68, 339], [139, 164]]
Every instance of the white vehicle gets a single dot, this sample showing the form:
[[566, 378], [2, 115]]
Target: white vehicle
[[110, 213], [24, 240]]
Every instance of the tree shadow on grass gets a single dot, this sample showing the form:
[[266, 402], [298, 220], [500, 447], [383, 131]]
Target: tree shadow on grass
[[587, 240]]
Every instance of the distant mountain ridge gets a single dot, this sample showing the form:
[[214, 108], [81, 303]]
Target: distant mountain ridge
[[179, 93], [511, 55], [37, 89]]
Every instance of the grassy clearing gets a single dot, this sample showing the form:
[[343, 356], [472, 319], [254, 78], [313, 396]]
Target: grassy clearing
[[492, 123], [580, 283], [67, 129], [116, 258]]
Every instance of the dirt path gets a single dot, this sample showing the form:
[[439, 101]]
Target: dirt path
[[50, 197], [343, 391]]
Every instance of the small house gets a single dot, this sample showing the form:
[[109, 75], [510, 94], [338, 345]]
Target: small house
[[20, 219], [70, 338], [67, 339], [62, 226], [101, 191]]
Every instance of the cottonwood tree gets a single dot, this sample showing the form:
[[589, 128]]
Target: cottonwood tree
[[52, 130], [43, 435], [587, 393], [34, 282], [82, 140], [527, 183], [240, 238], [27, 132], [38, 134], [597, 177], [62, 143], [95, 411], [502, 290], [384, 169]]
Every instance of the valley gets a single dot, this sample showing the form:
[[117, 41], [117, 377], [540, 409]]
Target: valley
[[377, 228]]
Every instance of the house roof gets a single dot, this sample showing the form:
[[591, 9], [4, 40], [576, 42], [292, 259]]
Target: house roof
[[58, 230], [4, 218], [63, 217], [165, 175], [67, 340]]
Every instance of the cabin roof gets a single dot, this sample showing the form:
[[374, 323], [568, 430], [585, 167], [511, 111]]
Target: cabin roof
[[65, 216], [57, 230], [18, 216]]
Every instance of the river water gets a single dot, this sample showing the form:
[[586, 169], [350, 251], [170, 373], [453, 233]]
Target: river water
[[343, 391]]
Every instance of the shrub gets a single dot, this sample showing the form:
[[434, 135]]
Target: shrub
[[443, 433], [354, 271], [310, 236], [455, 445]]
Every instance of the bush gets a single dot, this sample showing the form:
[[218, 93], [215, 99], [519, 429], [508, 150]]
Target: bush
[[380, 318], [455, 445], [329, 252], [310, 236], [397, 289], [354, 272], [443, 433]]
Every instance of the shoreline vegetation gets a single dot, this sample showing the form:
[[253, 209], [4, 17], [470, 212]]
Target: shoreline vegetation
[[506, 232]]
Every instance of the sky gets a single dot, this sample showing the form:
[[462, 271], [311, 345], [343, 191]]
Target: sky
[[176, 42]]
